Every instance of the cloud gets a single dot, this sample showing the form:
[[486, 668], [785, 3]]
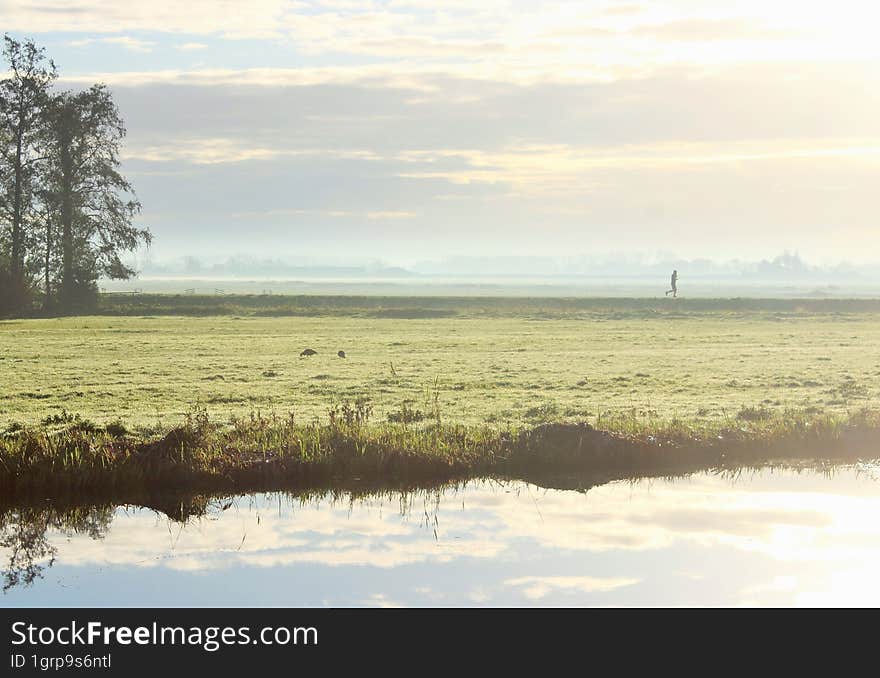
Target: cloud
[[620, 10], [498, 40], [228, 18], [333, 213], [380, 600], [730, 158], [747, 124], [381, 216], [360, 107], [709, 30], [412, 77], [538, 587], [521, 540], [561, 169], [211, 151], [128, 42]]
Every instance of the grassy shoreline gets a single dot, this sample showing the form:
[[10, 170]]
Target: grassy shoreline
[[270, 453]]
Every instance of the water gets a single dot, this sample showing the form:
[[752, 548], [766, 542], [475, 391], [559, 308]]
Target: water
[[768, 538]]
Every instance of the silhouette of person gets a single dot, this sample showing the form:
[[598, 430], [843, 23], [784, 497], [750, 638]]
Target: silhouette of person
[[674, 289]]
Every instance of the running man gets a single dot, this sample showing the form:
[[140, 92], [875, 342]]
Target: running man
[[674, 289]]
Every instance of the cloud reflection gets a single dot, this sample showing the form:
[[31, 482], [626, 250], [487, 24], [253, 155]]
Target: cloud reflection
[[519, 542]]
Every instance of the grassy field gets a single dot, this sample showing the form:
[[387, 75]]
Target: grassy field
[[507, 361]]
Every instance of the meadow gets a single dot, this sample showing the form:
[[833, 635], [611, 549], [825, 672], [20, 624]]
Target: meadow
[[173, 392], [148, 361]]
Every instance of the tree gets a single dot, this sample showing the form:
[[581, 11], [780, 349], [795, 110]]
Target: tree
[[46, 242], [94, 203], [23, 98], [66, 211]]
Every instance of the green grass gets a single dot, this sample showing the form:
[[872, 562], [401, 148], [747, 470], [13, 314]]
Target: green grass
[[72, 456], [432, 389], [414, 307], [496, 362]]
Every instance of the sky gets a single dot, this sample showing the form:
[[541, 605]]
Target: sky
[[406, 130]]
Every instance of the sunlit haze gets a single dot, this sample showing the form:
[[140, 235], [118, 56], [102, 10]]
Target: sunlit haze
[[421, 129]]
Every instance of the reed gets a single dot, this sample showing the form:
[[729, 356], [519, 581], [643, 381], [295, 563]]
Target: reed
[[347, 447]]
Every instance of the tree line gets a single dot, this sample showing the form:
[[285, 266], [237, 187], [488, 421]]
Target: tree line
[[66, 211]]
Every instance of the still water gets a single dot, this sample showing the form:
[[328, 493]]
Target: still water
[[771, 537]]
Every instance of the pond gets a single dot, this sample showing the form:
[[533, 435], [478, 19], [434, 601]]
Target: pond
[[766, 537]]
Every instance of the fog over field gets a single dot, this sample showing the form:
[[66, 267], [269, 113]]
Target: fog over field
[[785, 275]]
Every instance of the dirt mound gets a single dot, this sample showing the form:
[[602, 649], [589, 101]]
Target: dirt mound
[[171, 445], [577, 444]]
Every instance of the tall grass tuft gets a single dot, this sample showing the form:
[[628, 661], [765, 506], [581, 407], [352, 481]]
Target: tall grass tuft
[[261, 452]]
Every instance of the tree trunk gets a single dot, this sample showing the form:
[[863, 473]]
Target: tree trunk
[[17, 263], [68, 281], [47, 299]]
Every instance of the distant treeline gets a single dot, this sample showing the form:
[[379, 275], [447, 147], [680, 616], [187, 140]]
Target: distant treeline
[[66, 211], [788, 266], [785, 268], [242, 265]]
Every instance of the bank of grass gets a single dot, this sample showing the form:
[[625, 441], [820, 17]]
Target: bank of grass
[[74, 456]]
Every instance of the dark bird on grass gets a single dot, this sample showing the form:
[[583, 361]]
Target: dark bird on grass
[[308, 351], [341, 354]]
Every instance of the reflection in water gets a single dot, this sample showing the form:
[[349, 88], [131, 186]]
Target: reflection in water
[[23, 535], [773, 537]]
